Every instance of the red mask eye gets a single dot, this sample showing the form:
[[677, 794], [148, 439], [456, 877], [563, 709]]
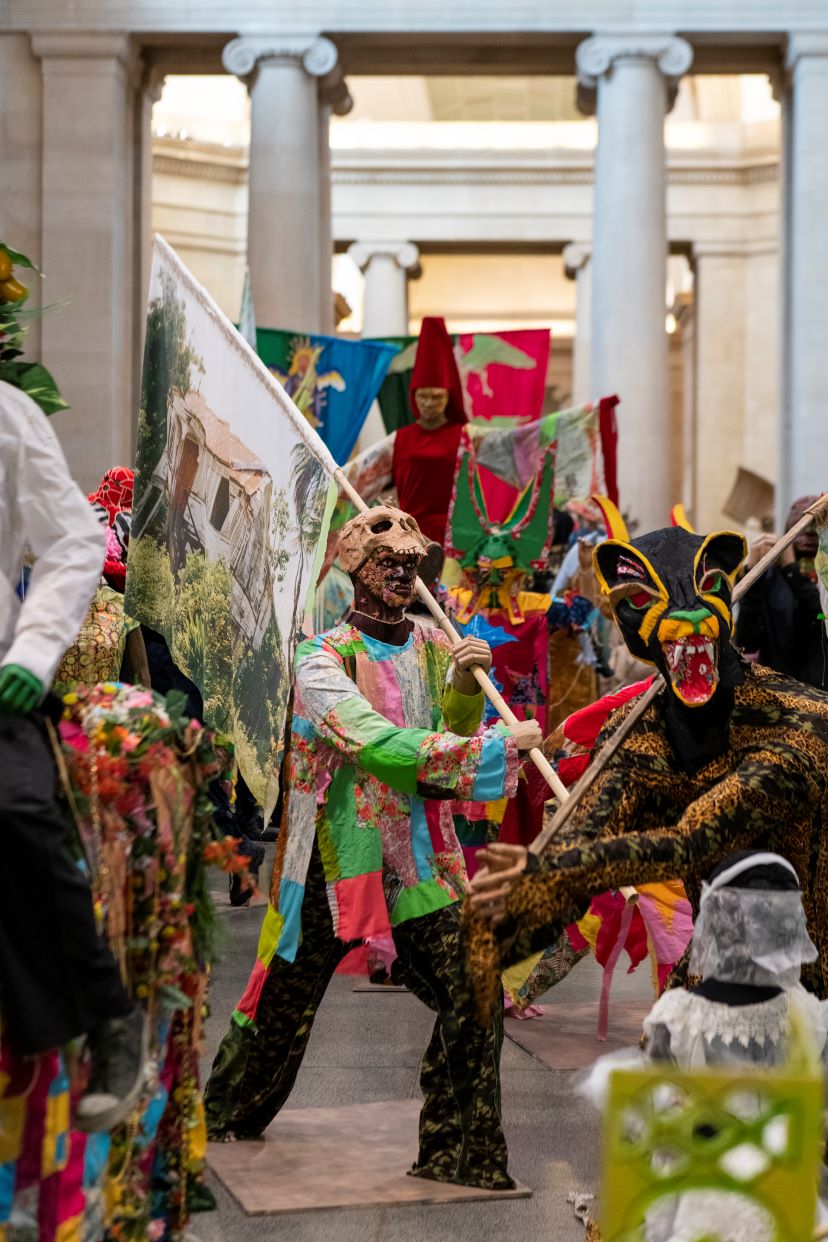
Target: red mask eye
[[640, 599], [713, 581]]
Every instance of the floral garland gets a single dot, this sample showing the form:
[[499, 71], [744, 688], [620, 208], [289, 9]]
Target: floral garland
[[136, 772]]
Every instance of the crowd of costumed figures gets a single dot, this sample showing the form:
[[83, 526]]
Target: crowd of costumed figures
[[151, 786]]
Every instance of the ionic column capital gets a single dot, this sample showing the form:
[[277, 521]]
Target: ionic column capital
[[405, 254], [318, 56], [595, 57], [576, 256]]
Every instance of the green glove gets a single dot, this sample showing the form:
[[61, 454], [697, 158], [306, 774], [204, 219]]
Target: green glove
[[20, 690]]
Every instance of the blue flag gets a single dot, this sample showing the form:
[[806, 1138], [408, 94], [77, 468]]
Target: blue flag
[[333, 381]]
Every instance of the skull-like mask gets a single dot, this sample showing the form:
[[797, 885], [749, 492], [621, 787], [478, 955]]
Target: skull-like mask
[[382, 550]]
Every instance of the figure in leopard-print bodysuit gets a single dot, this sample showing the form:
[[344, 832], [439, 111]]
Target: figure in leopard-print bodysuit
[[730, 756]]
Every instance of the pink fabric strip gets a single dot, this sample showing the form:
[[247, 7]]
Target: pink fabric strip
[[377, 680], [609, 969]]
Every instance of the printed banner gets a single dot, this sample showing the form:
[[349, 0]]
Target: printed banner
[[233, 495], [332, 381]]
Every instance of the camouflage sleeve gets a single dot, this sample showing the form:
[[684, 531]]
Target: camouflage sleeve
[[739, 811]]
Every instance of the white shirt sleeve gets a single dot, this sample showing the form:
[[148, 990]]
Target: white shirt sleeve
[[62, 533]]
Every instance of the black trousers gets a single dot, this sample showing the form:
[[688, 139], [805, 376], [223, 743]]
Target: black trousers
[[58, 979], [461, 1136]]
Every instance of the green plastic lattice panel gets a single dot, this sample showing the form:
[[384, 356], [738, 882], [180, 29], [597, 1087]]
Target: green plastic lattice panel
[[755, 1135]]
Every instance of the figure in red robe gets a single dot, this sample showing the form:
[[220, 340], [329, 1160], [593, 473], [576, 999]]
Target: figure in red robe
[[425, 452]]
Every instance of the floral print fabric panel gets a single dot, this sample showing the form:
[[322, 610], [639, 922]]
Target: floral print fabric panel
[[367, 761]]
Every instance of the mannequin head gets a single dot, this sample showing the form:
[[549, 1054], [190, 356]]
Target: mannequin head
[[435, 392], [431, 404]]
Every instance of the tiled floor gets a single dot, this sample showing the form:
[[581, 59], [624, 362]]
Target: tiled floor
[[366, 1047]]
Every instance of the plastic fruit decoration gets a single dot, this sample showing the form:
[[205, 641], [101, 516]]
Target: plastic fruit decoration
[[12, 290]]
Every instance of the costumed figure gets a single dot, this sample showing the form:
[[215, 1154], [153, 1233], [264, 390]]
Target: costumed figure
[[650, 921], [385, 734], [59, 979], [730, 755], [578, 645], [425, 452], [582, 440], [748, 1010], [781, 618], [492, 603], [109, 645]]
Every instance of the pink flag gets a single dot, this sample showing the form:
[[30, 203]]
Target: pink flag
[[503, 376], [504, 373]]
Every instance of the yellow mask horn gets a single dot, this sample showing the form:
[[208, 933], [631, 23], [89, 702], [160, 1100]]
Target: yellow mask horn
[[678, 517], [616, 527]]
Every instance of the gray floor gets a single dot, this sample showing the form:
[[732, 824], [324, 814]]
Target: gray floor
[[367, 1047]]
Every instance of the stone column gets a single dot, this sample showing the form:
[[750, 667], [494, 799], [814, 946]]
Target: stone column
[[386, 266], [577, 267], [21, 161], [720, 315], [784, 491], [148, 94], [292, 80], [326, 296], [806, 368], [632, 76], [88, 213]]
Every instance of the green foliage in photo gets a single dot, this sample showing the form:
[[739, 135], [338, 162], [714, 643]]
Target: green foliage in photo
[[202, 634], [150, 589], [169, 363]]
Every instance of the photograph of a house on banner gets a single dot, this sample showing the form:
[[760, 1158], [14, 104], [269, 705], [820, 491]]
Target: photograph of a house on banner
[[231, 503]]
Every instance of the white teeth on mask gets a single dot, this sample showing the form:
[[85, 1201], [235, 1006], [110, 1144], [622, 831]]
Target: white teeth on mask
[[697, 645]]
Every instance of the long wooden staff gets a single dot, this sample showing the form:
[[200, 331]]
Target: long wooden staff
[[483, 680], [571, 799]]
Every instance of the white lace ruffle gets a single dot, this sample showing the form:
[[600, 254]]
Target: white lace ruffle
[[709, 1213], [692, 1020]]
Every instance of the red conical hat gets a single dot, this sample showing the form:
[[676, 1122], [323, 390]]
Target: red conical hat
[[435, 367]]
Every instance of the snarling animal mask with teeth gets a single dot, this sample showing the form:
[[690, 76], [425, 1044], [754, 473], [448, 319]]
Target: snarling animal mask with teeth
[[670, 592]]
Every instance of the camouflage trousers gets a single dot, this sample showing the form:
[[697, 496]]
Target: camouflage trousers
[[461, 1135]]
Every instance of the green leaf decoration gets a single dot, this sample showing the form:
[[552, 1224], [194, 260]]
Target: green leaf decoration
[[18, 259], [37, 383], [176, 704], [170, 997]]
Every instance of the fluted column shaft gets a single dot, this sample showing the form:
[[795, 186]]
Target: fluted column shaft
[[90, 88], [805, 450], [386, 266], [577, 267], [288, 239], [628, 348]]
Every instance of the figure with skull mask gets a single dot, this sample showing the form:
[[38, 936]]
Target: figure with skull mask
[[386, 733]]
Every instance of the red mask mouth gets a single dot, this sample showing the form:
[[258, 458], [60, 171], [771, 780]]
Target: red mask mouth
[[692, 666]]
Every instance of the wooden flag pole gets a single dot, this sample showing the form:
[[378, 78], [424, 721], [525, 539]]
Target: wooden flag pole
[[818, 510], [483, 680], [570, 799]]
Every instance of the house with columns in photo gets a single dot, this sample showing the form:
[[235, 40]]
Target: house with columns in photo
[[650, 179]]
